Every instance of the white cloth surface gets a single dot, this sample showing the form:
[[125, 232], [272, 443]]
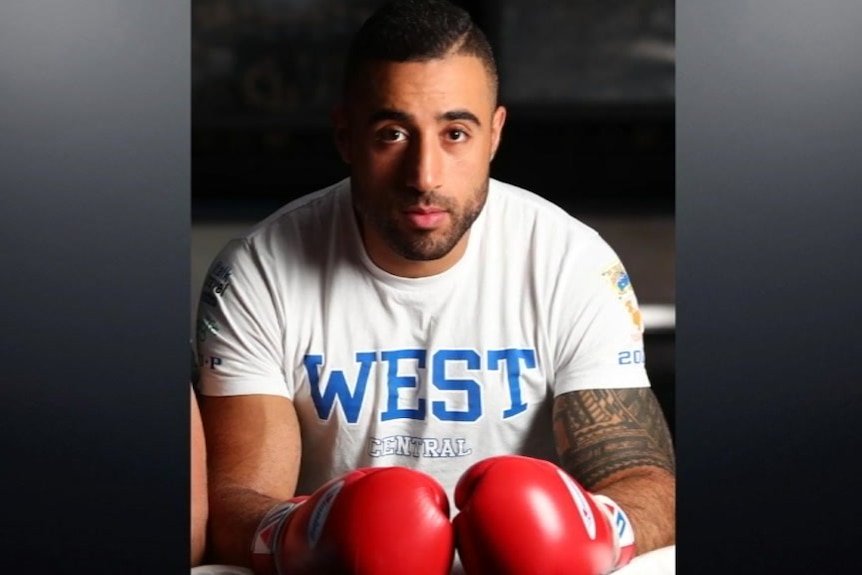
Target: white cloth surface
[[658, 562]]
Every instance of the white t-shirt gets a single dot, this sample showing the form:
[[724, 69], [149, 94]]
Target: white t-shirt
[[433, 373]]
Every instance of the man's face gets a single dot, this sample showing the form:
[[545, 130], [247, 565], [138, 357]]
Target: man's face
[[419, 137]]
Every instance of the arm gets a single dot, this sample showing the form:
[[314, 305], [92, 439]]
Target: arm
[[616, 442], [253, 449], [198, 484]]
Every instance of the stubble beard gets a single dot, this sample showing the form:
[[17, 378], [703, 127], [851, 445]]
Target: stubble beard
[[420, 245]]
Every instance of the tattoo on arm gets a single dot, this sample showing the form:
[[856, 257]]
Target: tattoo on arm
[[604, 431]]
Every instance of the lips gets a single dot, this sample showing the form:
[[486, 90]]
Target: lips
[[426, 218]]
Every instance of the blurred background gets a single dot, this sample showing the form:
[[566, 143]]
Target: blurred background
[[589, 88]]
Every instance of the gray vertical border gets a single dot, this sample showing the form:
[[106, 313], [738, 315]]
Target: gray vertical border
[[769, 388], [94, 228]]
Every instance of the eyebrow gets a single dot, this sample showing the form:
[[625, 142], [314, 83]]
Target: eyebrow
[[455, 115], [401, 116]]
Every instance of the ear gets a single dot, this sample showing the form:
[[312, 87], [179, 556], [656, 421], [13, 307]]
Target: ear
[[338, 117], [497, 121]]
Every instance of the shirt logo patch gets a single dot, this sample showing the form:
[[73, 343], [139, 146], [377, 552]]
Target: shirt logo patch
[[619, 279], [217, 283], [635, 313], [620, 282]]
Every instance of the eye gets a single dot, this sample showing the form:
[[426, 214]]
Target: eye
[[456, 135], [391, 135]]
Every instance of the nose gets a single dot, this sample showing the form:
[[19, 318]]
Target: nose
[[424, 169]]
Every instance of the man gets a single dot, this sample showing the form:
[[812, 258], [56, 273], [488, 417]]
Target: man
[[421, 321]]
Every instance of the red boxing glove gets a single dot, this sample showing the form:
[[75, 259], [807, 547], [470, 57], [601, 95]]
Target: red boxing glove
[[372, 521], [525, 516]]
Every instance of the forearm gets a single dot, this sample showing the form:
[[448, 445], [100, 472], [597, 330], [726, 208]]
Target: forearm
[[648, 497], [253, 456], [200, 511], [235, 514], [200, 506], [616, 442]]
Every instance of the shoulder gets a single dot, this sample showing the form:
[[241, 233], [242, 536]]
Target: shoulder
[[545, 223], [288, 236], [552, 242], [305, 211], [513, 202], [307, 220]]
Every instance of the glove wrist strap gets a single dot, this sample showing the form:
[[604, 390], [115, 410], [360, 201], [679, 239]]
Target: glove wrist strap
[[624, 534], [265, 547]]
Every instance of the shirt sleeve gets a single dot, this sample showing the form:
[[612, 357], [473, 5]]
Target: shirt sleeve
[[239, 328], [599, 325]]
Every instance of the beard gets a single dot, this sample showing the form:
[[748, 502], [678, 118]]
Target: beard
[[424, 245]]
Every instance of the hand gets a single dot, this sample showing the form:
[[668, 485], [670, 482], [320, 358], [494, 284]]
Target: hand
[[524, 516], [372, 521]]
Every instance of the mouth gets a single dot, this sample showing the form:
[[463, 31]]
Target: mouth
[[426, 218]]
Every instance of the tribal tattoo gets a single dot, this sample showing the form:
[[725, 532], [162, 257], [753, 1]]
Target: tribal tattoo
[[604, 431]]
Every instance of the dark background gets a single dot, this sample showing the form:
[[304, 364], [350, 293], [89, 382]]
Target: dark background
[[589, 87]]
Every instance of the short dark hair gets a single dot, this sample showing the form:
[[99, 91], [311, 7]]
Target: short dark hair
[[417, 31]]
